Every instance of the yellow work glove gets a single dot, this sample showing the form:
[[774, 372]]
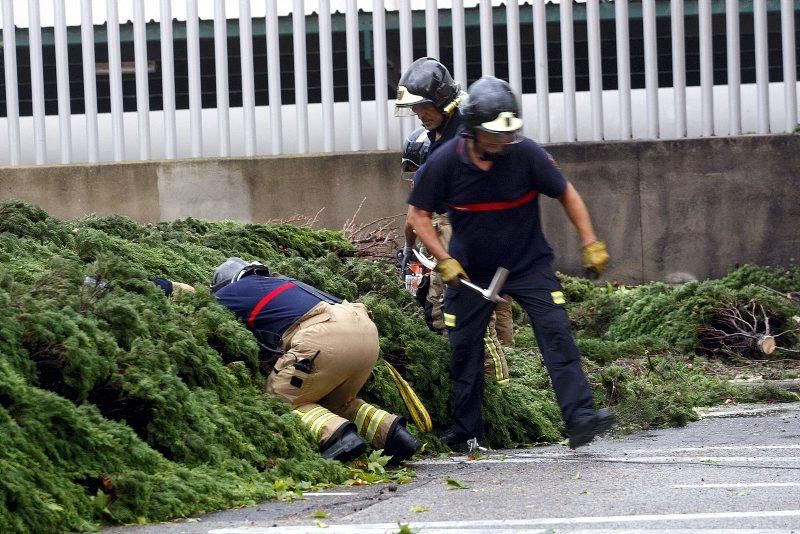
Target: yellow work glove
[[450, 271], [595, 258]]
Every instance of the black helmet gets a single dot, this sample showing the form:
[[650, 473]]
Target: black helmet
[[491, 106], [426, 80], [415, 149], [234, 269]]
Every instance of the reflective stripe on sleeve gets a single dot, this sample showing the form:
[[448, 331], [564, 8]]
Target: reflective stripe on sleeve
[[449, 319], [558, 297]]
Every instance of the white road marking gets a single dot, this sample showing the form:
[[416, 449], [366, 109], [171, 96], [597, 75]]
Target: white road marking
[[707, 413], [616, 459], [328, 494], [468, 525], [716, 448], [739, 485]]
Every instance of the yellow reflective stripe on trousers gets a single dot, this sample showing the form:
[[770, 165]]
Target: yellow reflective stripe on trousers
[[377, 418], [361, 417], [558, 297], [312, 415], [316, 429], [316, 419], [449, 319], [491, 350], [309, 416]]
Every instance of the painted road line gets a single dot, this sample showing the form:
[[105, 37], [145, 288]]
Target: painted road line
[[485, 524], [739, 485], [715, 448], [710, 413], [329, 494], [615, 459]]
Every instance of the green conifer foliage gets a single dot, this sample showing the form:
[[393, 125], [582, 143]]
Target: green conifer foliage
[[119, 404]]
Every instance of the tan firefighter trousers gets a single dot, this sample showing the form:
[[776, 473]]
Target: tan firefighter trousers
[[342, 341]]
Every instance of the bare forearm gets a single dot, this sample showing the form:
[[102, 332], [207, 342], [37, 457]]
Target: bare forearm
[[408, 232], [420, 221], [578, 214]]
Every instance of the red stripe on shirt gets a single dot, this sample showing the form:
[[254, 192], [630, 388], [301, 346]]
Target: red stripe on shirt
[[265, 300], [496, 206]]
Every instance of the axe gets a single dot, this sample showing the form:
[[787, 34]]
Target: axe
[[491, 293]]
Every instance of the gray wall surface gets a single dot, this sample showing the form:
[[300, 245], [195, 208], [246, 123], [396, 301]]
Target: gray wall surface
[[701, 206]]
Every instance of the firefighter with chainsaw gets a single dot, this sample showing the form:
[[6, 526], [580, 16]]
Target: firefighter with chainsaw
[[323, 349], [490, 178], [428, 91]]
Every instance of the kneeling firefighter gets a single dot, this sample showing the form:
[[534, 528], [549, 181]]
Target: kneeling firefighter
[[323, 349]]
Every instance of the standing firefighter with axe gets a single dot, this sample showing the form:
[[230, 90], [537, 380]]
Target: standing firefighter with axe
[[428, 91], [490, 178]]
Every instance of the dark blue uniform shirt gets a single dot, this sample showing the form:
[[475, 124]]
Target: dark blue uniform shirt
[[494, 213], [247, 299]]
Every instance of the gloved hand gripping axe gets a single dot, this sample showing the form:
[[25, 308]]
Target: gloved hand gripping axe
[[490, 293]]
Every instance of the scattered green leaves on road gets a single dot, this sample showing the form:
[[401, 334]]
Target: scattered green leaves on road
[[455, 484]]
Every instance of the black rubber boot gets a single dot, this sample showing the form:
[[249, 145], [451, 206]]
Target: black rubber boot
[[344, 445], [585, 427], [400, 445]]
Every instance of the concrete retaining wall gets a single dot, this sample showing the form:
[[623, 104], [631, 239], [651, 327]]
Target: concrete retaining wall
[[701, 206]]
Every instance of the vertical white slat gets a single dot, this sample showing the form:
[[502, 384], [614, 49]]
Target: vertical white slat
[[62, 80], [274, 77], [706, 68], [487, 38], [762, 65], [432, 28], [734, 67], [623, 68], [459, 43], [193, 64], [650, 67], [353, 74], [568, 70], [248, 82], [381, 77], [89, 81], [595, 67], [789, 64], [678, 67], [514, 54], [300, 74], [168, 80], [326, 74], [142, 90], [12, 94], [221, 75], [406, 53], [115, 81], [37, 82], [542, 81]]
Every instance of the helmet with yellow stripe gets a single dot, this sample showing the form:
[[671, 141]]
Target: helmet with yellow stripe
[[491, 106]]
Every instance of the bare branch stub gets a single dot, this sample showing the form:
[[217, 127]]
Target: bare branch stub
[[742, 330]]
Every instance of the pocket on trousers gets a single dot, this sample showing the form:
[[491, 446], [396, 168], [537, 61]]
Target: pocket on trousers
[[286, 380]]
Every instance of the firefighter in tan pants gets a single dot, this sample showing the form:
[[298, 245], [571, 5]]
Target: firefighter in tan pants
[[324, 351]]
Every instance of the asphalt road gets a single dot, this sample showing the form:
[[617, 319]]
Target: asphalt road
[[735, 470]]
